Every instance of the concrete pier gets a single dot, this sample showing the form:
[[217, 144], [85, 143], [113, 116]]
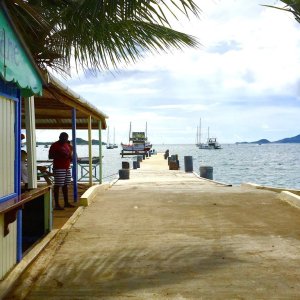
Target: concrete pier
[[166, 234]]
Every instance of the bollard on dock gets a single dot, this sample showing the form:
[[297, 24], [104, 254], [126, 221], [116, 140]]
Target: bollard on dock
[[124, 174], [167, 153], [134, 164], [173, 162], [188, 164], [206, 172], [125, 165]]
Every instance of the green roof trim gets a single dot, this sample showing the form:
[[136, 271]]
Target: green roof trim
[[15, 65]]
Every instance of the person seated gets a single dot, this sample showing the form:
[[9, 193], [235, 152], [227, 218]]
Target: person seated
[[24, 170]]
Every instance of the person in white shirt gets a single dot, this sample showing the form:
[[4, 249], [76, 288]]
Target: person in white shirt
[[24, 170]]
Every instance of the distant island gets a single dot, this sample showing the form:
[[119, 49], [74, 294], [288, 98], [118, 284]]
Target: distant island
[[79, 141], [294, 139]]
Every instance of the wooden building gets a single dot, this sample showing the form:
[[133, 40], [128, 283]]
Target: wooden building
[[30, 100]]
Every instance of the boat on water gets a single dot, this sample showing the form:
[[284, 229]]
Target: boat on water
[[211, 143], [114, 143], [199, 144], [108, 144], [138, 142], [46, 146]]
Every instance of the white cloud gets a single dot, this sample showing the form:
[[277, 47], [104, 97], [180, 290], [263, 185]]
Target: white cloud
[[243, 81]]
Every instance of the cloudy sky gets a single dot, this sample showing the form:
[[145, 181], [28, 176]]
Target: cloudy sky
[[243, 81]]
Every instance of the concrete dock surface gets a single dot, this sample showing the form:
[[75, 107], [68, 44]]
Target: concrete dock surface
[[171, 235]]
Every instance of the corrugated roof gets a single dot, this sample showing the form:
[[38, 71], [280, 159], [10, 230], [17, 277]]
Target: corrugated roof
[[53, 110]]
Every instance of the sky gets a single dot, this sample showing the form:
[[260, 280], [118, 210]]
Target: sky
[[243, 81]]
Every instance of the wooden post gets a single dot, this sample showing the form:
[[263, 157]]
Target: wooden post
[[90, 150], [74, 160], [31, 142], [100, 152]]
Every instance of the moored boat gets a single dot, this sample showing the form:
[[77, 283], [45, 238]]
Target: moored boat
[[138, 142], [211, 143], [108, 144]]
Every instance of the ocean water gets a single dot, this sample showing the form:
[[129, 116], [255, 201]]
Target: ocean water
[[275, 165]]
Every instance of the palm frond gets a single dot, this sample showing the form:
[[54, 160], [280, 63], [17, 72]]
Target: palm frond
[[292, 6], [98, 33]]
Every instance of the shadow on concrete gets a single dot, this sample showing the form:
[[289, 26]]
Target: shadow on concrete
[[105, 275]]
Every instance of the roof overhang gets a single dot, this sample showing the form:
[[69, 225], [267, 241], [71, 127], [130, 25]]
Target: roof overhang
[[53, 110]]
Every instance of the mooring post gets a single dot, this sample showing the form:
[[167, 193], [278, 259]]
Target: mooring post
[[188, 164], [206, 172]]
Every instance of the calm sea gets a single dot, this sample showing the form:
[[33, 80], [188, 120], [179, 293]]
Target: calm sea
[[273, 164]]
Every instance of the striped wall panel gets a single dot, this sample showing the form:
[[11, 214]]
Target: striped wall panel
[[8, 248], [7, 153]]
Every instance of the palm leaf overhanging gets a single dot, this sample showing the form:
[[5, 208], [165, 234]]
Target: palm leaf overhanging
[[292, 6], [98, 33]]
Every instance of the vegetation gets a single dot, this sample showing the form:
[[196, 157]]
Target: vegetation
[[98, 34], [292, 6]]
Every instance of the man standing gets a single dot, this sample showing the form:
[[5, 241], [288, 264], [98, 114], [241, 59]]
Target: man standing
[[61, 153]]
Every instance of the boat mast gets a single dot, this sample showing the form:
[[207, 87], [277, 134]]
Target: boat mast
[[129, 131], [146, 131], [200, 132], [208, 133], [107, 135], [114, 135], [197, 136]]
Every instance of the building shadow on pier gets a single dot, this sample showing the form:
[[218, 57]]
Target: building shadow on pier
[[60, 217]]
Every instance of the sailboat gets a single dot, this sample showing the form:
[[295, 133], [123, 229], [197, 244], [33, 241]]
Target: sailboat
[[108, 144], [199, 144], [211, 142], [138, 141], [114, 144]]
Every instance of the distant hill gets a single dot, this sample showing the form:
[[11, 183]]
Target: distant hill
[[295, 139], [79, 141], [262, 141]]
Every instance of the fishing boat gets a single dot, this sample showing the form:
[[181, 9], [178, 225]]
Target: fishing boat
[[138, 142], [108, 144]]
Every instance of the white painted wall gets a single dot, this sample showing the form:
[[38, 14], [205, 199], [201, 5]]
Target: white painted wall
[[8, 244], [7, 153], [8, 247]]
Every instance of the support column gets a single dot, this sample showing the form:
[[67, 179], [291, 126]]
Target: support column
[[90, 150], [18, 176], [74, 160], [31, 142], [100, 152]]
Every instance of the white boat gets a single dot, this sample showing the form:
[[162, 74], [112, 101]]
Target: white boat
[[138, 142], [114, 144], [198, 139], [108, 144], [211, 144]]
